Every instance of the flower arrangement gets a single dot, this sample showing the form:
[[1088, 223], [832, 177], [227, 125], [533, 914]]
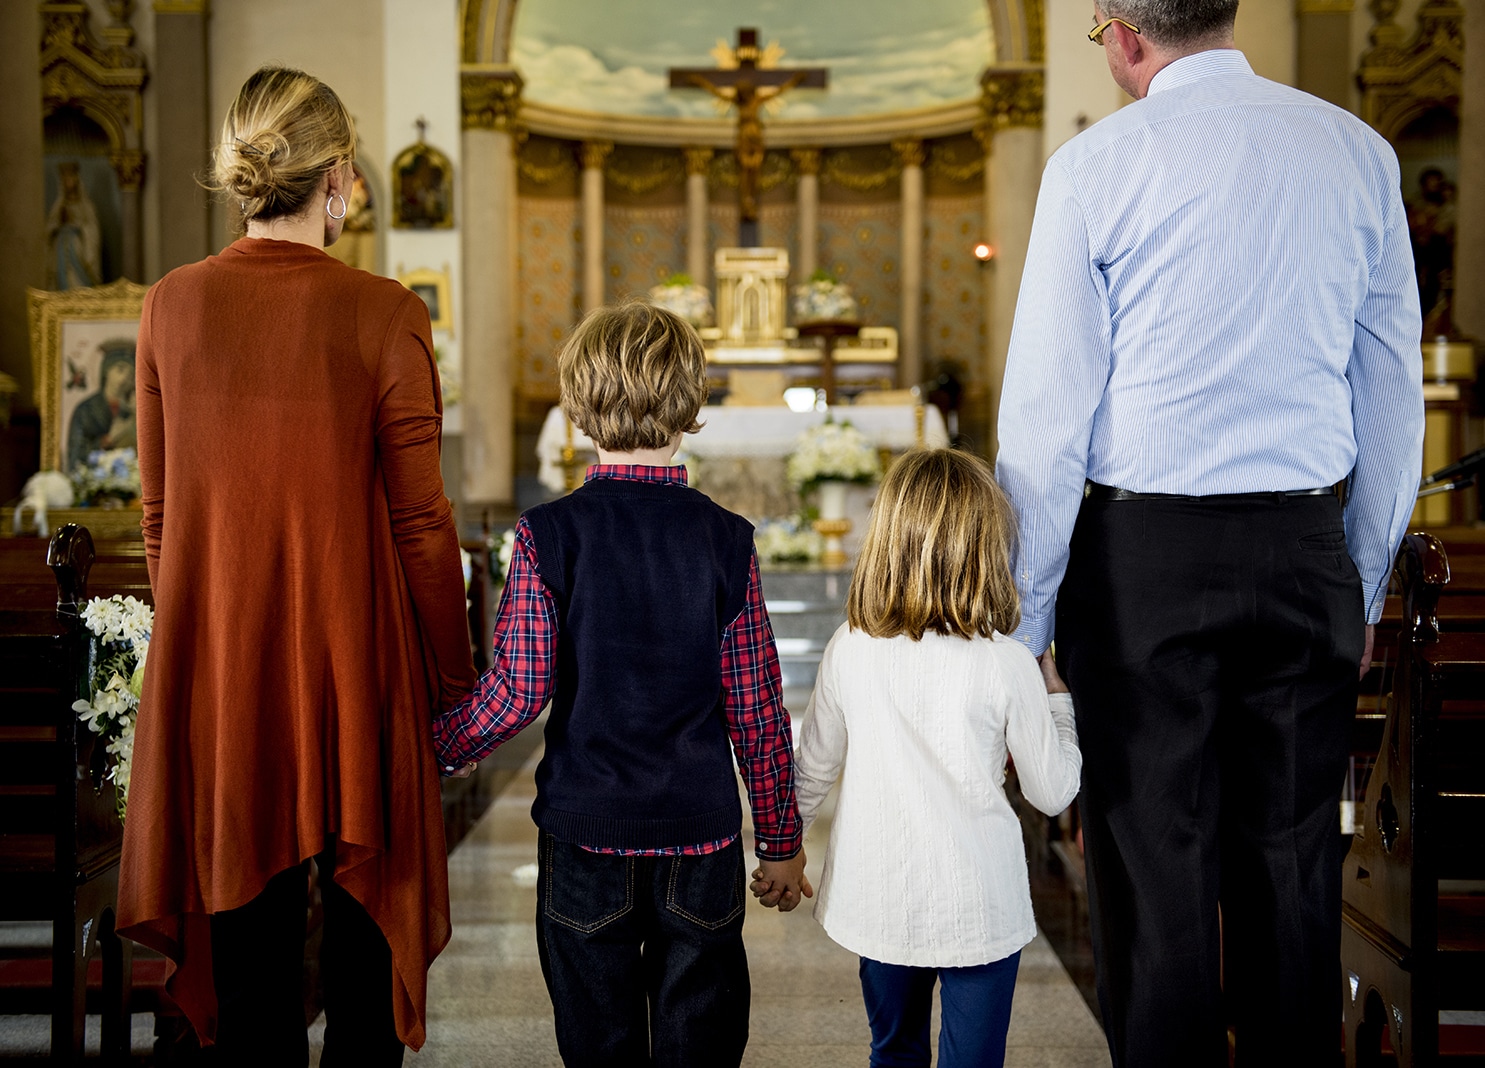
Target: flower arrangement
[[109, 478], [681, 295], [791, 540], [832, 452], [500, 550], [822, 297], [121, 629]]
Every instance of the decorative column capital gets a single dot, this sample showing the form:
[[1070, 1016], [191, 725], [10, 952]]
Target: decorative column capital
[[129, 166], [595, 153], [909, 152], [1012, 96], [698, 160], [490, 97], [1324, 7], [182, 7], [806, 160]]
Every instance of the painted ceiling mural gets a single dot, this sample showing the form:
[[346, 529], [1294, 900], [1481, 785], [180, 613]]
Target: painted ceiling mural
[[883, 55]]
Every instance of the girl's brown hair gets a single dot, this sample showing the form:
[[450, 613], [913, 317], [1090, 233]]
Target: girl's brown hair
[[633, 376], [282, 133], [937, 552]]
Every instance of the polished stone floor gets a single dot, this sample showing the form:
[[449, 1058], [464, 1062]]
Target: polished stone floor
[[488, 1005]]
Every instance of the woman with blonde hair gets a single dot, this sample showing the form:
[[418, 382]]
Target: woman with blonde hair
[[309, 613], [925, 874]]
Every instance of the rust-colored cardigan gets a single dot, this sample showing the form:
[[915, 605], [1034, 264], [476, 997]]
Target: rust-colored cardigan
[[309, 607]]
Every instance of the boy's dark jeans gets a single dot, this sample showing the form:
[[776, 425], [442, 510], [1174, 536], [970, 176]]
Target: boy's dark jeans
[[643, 956]]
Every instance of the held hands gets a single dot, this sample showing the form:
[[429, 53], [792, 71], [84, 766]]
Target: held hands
[[780, 883], [1049, 673]]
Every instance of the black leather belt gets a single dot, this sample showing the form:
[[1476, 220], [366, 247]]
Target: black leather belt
[[1098, 492]]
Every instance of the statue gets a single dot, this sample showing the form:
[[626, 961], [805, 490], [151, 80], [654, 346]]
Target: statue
[[72, 234], [747, 86]]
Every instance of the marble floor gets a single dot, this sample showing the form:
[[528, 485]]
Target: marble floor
[[488, 1005]]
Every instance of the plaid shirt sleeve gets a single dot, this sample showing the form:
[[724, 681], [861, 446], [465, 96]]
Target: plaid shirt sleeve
[[523, 672], [759, 725]]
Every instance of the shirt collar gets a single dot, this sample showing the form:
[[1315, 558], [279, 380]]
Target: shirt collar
[[1197, 66], [674, 475]]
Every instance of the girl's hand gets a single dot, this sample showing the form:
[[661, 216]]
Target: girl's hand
[[1049, 673]]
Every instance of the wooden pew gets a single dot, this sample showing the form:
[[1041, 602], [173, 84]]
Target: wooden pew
[[60, 834], [1413, 884]]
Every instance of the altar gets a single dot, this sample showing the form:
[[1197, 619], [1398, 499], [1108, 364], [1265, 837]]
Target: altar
[[738, 456]]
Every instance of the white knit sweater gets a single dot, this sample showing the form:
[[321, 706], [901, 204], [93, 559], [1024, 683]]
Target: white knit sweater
[[925, 864]]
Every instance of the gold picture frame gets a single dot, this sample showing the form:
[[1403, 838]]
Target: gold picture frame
[[433, 287], [77, 336]]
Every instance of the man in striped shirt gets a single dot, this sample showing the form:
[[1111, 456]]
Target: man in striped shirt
[[1218, 326]]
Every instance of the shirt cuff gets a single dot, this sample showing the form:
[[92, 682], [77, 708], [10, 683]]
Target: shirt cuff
[[1035, 633], [1374, 596], [772, 848]]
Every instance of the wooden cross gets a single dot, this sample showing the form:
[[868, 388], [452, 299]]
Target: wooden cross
[[749, 87]]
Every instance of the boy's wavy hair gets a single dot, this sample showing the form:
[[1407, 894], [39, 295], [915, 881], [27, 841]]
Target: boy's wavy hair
[[937, 552], [633, 376]]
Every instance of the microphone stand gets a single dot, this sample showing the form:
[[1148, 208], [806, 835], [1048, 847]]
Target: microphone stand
[[1445, 487]]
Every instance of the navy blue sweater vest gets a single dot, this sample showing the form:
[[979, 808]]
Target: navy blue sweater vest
[[647, 576]]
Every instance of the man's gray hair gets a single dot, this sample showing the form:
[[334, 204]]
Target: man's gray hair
[[1174, 22]]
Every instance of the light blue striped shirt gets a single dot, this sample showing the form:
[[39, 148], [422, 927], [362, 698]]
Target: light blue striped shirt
[[1218, 298]]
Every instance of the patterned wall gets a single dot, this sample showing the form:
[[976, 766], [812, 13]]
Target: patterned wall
[[549, 266], [860, 243], [642, 247], [953, 299]]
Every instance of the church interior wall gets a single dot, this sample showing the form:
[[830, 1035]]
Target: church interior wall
[[421, 81], [344, 48], [1265, 32]]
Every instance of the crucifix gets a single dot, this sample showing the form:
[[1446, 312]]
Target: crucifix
[[748, 85]]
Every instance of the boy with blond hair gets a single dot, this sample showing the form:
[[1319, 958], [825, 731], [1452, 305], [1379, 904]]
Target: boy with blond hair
[[634, 604]]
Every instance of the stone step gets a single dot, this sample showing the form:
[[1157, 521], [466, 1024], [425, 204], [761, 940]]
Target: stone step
[[805, 584]]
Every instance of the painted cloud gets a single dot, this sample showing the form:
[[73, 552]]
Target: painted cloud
[[883, 55]]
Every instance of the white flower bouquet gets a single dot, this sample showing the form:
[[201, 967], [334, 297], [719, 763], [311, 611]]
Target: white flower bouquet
[[500, 552], [832, 452], [681, 295], [109, 478], [791, 540], [121, 629], [822, 297]]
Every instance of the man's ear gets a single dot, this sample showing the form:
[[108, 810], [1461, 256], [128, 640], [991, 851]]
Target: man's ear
[[1130, 44]]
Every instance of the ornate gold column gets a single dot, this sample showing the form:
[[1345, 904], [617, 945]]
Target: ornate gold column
[[1011, 97], [594, 155], [698, 161], [491, 99], [910, 319], [184, 130], [807, 162]]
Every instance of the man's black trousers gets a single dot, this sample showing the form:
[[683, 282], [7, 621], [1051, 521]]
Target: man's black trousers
[[1212, 647]]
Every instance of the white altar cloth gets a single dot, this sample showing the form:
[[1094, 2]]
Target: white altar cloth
[[756, 433]]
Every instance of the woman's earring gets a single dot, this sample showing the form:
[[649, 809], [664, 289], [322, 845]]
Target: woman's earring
[[333, 198]]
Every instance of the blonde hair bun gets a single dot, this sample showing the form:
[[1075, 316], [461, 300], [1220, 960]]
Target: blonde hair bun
[[282, 133]]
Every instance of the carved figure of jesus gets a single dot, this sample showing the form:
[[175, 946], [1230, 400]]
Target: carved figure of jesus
[[748, 99]]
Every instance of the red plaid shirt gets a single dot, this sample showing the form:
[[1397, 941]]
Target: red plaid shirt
[[524, 673]]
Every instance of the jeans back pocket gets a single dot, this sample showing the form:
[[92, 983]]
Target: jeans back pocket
[[581, 889], [707, 890]]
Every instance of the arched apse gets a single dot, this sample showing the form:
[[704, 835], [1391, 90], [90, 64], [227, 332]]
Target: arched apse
[[487, 28]]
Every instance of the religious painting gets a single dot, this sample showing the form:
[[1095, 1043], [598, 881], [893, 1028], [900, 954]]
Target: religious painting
[[433, 287], [1428, 157], [82, 353], [422, 189]]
